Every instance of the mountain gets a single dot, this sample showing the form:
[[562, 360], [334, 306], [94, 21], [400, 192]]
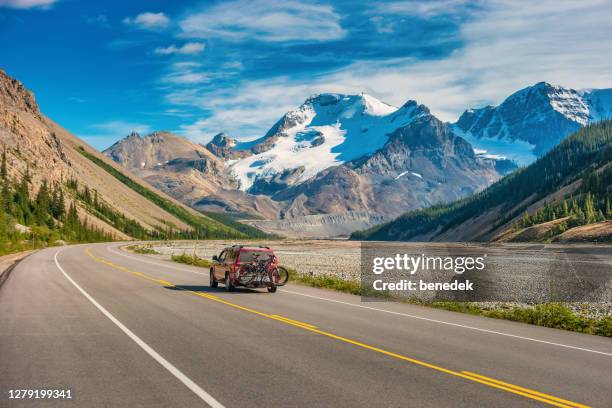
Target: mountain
[[565, 195], [326, 131], [335, 154], [420, 164], [189, 172], [531, 121], [106, 195]]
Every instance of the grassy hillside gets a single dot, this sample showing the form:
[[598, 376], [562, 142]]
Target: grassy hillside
[[249, 230], [584, 156], [203, 227]]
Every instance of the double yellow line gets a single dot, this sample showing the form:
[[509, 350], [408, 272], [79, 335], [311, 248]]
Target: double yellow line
[[491, 382]]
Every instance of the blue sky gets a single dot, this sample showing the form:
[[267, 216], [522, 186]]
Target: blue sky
[[104, 68]]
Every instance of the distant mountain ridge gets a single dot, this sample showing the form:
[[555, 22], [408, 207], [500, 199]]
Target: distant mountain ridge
[[341, 154], [335, 154], [568, 188], [531, 121]]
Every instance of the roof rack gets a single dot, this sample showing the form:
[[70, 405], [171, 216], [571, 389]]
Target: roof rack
[[246, 246]]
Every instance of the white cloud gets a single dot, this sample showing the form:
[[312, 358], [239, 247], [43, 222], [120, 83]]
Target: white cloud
[[185, 73], [187, 48], [177, 66], [265, 21], [119, 128], [26, 4], [186, 78], [148, 20], [507, 46], [419, 8]]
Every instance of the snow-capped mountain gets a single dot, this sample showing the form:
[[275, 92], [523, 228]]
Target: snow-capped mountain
[[360, 160], [327, 130], [533, 120], [352, 157]]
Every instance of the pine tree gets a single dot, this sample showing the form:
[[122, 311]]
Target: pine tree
[[565, 209], [3, 169], [526, 220], [589, 209], [42, 205]]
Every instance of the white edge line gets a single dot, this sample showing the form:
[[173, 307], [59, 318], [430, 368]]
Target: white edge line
[[206, 397], [450, 323], [396, 313]]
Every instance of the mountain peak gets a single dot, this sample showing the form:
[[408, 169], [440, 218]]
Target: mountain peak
[[14, 93], [134, 135], [532, 120], [223, 140], [349, 104]]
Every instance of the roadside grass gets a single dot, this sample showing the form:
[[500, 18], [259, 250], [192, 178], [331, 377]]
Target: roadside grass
[[192, 260], [8, 248], [553, 315], [141, 249], [326, 281]]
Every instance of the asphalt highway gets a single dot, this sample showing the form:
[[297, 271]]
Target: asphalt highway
[[125, 330]]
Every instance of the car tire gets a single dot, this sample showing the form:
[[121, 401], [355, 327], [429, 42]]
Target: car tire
[[228, 283], [272, 289], [213, 281]]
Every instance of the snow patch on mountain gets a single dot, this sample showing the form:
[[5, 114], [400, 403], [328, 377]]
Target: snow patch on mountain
[[518, 151], [403, 173]]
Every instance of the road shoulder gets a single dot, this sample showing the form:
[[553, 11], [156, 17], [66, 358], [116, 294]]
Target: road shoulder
[[8, 262]]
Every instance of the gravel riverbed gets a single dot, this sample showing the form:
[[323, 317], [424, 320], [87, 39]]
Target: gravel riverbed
[[520, 263]]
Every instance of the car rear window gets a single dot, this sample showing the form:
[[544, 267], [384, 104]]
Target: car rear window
[[249, 256]]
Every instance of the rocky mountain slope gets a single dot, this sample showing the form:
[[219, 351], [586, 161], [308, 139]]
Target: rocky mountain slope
[[420, 164], [36, 145], [189, 172], [565, 195], [533, 120], [335, 154]]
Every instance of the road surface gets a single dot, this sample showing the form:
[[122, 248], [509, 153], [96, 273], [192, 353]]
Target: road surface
[[125, 330]]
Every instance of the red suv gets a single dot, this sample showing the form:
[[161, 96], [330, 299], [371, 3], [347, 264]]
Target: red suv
[[249, 267]]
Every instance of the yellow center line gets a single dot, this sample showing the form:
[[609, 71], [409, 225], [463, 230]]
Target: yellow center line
[[165, 283], [491, 382], [527, 390], [288, 320]]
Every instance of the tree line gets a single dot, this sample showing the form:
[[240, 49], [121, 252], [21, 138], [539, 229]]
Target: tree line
[[33, 220], [591, 203]]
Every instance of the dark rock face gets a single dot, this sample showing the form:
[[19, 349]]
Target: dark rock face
[[223, 146], [422, 164], [278, 182]]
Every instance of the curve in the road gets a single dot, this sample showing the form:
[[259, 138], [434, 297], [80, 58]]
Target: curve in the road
[[490, 382], [463, 326]]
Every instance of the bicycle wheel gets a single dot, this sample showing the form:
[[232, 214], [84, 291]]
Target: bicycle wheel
[[283, 275]]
